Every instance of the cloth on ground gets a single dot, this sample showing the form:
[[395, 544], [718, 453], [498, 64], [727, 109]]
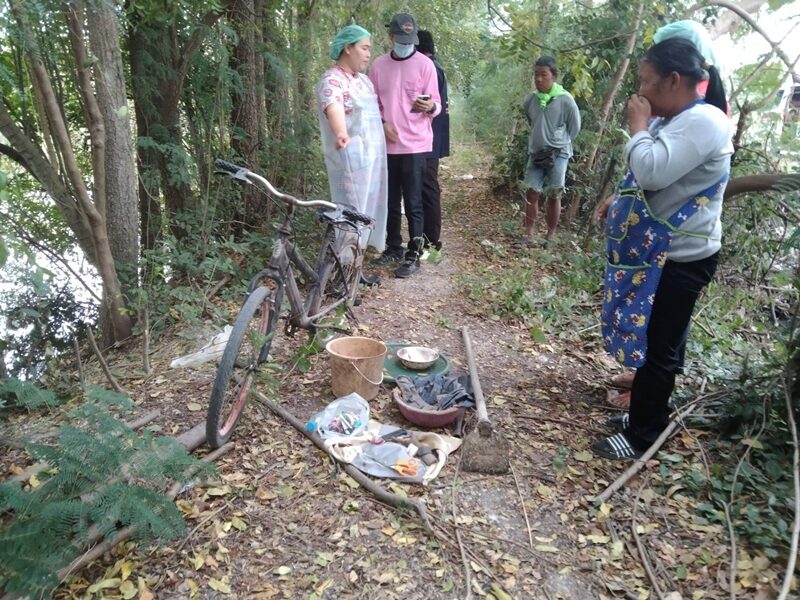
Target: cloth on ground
[[436, 392], [378, 459]]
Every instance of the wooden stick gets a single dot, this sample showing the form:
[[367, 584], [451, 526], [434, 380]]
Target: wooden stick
[[39, 467], [145, 321], [788, 575], [364, 481], [464, 561], [640, 546], [642, 461], [484, 425], [200, 524], [81, 376], [117, 387], [522, 502], [127, 532]]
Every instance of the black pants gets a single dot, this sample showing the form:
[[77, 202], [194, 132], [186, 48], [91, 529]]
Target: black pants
[[405, 185], [432, 203], [677, 293]]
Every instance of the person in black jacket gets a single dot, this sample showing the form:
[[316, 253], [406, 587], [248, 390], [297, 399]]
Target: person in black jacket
[[431, 192]]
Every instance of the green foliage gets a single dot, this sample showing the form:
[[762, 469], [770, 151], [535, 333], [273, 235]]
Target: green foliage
[[102, 476], [42, 315], [25, 394], [549, 304], [752, 479]]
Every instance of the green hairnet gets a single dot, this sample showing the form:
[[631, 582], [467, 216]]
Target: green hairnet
[[692, 31], [348, 35]]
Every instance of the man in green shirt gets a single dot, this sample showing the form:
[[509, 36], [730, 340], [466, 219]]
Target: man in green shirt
[[555, 122]]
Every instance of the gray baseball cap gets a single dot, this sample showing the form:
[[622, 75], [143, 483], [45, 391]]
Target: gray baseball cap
[[404, 29]]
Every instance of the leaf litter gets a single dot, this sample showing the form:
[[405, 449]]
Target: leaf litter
[[282, 521]]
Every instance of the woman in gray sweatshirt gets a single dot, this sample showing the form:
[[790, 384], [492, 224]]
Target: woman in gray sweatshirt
[[664, 232]]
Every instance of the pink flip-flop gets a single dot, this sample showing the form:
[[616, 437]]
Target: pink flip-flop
[[623, 380], [618, 400]]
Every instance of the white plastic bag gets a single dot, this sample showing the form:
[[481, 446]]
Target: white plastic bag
[[211, 351], [345, 417]]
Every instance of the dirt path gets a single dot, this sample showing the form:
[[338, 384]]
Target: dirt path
[[282, 522]]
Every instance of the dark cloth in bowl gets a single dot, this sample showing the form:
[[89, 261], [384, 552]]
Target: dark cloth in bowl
[[436, 392]]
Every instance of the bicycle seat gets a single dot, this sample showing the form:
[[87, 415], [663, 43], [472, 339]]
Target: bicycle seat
[[344, 213]]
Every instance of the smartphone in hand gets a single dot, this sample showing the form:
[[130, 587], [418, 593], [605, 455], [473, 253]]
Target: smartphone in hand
[[424, 97]]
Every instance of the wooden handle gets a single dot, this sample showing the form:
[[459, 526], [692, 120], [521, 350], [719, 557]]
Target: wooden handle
[[480, 402]]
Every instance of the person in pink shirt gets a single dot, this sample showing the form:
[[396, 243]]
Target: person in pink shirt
[[408, 97]]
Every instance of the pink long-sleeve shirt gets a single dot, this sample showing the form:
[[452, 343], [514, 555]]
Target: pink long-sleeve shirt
[[398, 82]]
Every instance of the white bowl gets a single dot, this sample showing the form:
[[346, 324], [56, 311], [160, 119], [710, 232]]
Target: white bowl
[[417, 357]]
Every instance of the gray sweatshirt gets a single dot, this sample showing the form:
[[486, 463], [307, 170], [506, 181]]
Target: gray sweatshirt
[[554, 127], [675, 160]]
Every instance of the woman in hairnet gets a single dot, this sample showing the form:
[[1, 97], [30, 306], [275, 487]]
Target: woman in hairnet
[[352, 132], [695, 33]]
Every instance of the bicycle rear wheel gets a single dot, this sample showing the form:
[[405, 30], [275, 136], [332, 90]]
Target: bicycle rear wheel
[[341, 270], [247, 348]]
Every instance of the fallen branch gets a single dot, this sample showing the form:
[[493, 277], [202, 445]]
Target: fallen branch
[[103, 364], [144, 319], [39, 467], [788, 575], [364, 481], [79, 363], [640, 546], [522, 502], [199, 525], [642, 461], [464, 561], [127, 532]]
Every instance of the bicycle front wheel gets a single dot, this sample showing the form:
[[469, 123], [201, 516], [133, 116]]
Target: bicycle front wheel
[[341, 271], [247, 348]]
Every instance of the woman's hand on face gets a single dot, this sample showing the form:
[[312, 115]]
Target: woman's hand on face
[[639, 113], [601, 210], [342, 141]]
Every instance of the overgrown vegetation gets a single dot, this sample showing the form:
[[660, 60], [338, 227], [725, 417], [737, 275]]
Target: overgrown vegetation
[[100, 477], [177, 233]]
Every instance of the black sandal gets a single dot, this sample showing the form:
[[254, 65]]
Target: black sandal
[[616, 447], [619, 422]]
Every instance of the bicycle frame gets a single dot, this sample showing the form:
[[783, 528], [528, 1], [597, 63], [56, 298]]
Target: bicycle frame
[[331, 280], [285, 255]]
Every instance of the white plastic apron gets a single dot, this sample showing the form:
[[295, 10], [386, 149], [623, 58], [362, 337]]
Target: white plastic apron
[[357, 173]]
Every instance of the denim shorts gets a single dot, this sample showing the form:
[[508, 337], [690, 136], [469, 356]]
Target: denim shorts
[[554, 177]]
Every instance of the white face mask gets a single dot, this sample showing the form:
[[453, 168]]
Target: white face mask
[[403, 50]]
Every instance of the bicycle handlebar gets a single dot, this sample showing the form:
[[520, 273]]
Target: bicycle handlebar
[[223, 167]]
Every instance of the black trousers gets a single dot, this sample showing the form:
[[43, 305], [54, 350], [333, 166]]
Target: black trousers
[[432, 203], [405, 172], [678, 290]]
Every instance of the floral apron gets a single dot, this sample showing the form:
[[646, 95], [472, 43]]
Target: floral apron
[[638, 244]]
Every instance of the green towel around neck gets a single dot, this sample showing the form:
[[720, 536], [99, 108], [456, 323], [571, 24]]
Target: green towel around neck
[[545, 97]]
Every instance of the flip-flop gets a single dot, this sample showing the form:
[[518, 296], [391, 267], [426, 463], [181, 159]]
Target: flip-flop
[[619, 422], [623, 380], [616, 447], [618, 400]]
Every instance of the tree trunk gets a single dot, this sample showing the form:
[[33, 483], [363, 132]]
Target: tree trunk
[[146, 155], [247, 106], [763, 182], [159, 65], [616, 83], [120, 178], [156, 93]]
